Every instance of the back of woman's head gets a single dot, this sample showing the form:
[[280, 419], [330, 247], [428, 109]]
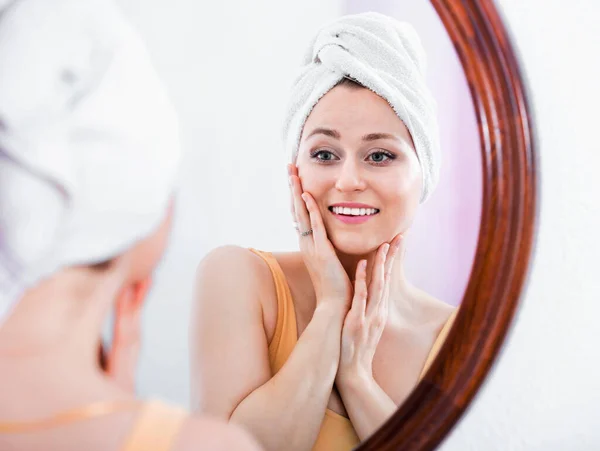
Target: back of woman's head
[[89, 145]]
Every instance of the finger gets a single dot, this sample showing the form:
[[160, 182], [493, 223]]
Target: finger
[[316, 222], [301, 213], [376, 287], [396, 246], [293, 169], [290, 184], [359, 300], [292, 209]]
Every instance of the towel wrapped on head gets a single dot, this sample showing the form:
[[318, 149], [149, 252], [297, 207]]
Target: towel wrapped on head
[[383, 55], [89, 144]]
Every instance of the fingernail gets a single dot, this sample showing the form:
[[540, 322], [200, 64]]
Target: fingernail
[[304, 196], [386, 248]]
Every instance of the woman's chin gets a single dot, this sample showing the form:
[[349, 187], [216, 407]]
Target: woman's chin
[[354, 246]]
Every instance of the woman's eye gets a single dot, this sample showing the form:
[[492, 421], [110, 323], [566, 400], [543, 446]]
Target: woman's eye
[[380, 157], [323, 155]]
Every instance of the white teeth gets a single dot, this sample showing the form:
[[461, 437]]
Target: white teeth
[[354, 211]]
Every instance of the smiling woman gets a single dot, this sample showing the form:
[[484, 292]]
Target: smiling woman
[[333, 337]]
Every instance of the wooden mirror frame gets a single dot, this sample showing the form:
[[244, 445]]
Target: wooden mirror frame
[[506, 236]]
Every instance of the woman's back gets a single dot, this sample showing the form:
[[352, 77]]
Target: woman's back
[[50, 401]]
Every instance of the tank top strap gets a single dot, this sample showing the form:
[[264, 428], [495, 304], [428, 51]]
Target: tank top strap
[[286, 332], [439, 341], [157, 427]]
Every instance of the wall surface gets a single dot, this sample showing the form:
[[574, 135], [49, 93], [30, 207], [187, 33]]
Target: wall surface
[[544, 392]]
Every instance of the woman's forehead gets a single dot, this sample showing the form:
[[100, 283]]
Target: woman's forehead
[[353, 113]]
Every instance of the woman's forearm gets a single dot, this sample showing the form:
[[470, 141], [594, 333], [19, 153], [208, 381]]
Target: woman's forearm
[[368, 406], [287, 411]]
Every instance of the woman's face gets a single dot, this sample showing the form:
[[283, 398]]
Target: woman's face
[[357, 160]]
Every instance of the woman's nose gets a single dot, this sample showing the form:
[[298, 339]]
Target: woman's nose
[[350, 178]]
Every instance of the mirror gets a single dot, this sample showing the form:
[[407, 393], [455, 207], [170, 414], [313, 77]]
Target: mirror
[[229, 71]]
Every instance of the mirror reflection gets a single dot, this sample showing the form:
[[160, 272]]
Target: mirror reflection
[[324, 225], [379, 167]]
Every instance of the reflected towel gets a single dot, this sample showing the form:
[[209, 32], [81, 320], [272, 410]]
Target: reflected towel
[[387, 57]]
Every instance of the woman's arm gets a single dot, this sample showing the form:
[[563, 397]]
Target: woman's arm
[[368, 406], [231, 373], [209, 434]]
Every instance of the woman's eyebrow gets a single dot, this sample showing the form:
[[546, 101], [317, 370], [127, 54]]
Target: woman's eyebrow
[[376, 136], [325, 131]]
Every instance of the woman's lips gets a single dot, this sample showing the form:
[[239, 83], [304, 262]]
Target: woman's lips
[[353, 219]]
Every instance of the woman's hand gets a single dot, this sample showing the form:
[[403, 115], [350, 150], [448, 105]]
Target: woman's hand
[[331, 283], [367, 317]]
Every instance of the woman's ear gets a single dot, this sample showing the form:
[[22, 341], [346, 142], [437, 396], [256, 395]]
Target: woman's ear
[[122, 359]]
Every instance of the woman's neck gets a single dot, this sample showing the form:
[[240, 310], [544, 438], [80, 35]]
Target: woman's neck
[[399, 285], [61, 319]]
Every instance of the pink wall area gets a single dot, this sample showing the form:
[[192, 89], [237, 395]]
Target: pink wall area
[[442, 242]]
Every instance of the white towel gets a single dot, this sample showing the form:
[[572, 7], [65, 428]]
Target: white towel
[[387, 57], [89, 144]]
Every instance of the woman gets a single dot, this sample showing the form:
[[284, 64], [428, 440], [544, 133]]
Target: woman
[[317, 348], [88, 157]]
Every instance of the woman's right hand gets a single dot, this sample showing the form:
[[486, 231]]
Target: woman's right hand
[[330, 280]]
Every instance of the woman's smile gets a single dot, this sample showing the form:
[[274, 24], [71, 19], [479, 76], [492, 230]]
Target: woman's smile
[[352, 212]]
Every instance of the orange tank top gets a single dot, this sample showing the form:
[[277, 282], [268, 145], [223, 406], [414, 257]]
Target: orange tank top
[[337, 432], [156, 427]]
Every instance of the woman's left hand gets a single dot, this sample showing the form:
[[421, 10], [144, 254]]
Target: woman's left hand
[[367, 316]]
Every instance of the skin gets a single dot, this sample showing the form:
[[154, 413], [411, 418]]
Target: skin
[[364, 330], [65, 351]]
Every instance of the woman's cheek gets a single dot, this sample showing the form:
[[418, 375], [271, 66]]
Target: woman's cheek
[[313, 182], [405, 186]]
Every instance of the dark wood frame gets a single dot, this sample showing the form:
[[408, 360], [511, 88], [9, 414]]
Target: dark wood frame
[[506, 237]]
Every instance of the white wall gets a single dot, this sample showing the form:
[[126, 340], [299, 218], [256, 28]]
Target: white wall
[[544, 393]]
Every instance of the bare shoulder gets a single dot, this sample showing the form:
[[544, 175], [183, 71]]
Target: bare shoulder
[[233, 269], [241, 280], [213, 435], [235, 263]]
